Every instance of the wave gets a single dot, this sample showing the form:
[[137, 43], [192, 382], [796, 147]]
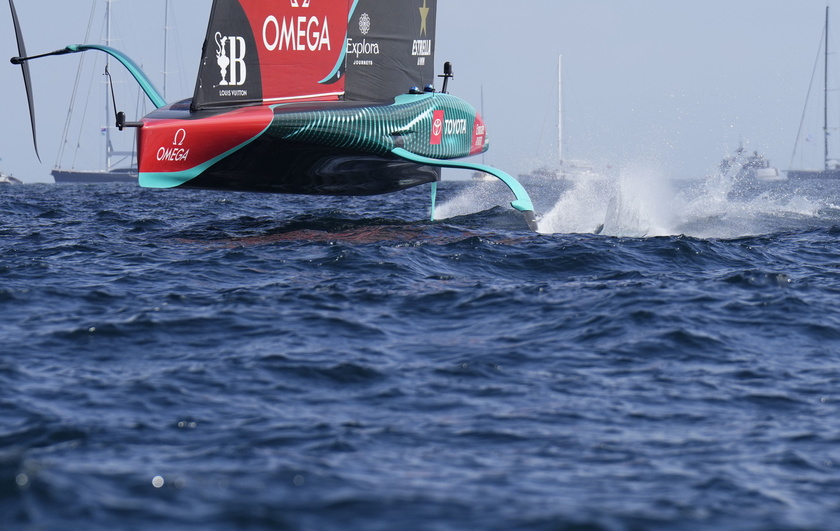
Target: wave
[[643, 201]]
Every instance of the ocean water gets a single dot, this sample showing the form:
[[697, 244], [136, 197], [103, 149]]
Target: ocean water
[[661, 355]]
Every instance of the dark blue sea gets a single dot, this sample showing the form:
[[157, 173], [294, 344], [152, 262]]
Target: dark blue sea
[[661, 355]]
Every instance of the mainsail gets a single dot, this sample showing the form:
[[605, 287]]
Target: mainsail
[[270, 51], [264, 51], [390, 48]]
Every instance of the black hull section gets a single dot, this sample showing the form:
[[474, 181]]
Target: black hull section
[[95, 177], [802, 175], [296, 168]]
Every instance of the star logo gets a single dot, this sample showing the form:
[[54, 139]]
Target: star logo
[[424, 13]]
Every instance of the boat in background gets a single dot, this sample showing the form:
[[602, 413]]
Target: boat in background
[[118, 165], [831, 167], [481, 177], [753, 168], [567, 170], [112, 175], [564, 170], [5, 178]]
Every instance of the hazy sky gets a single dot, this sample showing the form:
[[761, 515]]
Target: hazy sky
[[675, 83]]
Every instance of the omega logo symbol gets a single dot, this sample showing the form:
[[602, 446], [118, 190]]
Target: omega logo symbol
[[180, 136]]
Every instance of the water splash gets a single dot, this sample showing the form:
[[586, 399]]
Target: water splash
[[642, 200], [642, 204], [473, 197], [581, 209], [637, 202]]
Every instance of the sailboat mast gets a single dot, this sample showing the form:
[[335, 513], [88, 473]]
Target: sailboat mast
[[560, 108], [108, 147], [165, 37], [483, 116], [825, 90]]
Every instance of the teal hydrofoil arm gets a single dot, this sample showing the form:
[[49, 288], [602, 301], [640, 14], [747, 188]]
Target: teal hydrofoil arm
[[523, 200], [141, 77]]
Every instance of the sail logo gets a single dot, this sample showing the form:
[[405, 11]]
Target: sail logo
[[438, 119], [364, 23], [230, 57], [422, 48], [296, 34], [424, 15], [362, 48]]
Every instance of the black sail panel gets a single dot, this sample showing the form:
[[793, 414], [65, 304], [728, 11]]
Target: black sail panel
[[225, 75], [390, 48]]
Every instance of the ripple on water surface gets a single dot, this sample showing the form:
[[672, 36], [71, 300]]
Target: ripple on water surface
[[222, 360]]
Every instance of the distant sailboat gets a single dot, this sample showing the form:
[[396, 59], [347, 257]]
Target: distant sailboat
[[567, 170], [119, 165], [831, 168]]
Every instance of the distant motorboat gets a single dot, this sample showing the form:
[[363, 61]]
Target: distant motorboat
[[750, 168], [8, 179], [480, 176], [568, 170]]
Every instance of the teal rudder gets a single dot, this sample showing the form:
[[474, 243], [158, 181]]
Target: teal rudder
[[522, 202]]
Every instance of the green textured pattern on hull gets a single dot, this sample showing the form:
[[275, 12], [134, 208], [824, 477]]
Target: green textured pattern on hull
[[366, 129], [378, 129]]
